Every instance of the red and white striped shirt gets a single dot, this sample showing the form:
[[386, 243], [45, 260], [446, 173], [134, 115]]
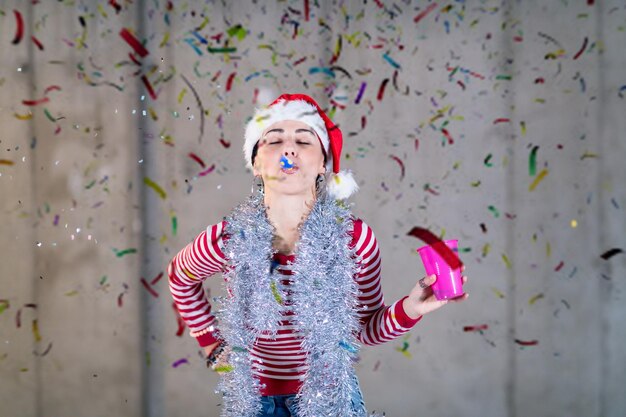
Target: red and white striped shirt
[[280, 363]]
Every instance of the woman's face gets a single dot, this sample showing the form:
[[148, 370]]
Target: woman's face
[[299, 143]]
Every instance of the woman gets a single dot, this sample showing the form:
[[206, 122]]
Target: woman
[[302, 277]]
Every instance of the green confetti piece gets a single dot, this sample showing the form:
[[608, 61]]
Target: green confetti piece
[[221, 50], [532, 162], [237, 31], [48, 115], [174, 225], [121, 253], [103, 279], [4, 304], [503, 77], [495, 211], [91, 184], [487, 160]]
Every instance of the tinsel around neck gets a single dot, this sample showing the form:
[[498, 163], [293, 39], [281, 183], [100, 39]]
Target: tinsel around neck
[[324, 304]]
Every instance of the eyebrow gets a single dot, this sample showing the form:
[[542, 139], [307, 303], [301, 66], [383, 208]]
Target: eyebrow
[[297, 131]]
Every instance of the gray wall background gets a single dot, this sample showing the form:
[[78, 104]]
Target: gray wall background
[[499, 77]]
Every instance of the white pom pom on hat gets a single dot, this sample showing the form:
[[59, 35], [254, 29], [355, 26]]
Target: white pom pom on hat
[[303, 108]]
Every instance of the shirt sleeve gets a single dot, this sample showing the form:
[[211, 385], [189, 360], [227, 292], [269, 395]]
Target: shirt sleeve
[[196, 262], [379, 323]]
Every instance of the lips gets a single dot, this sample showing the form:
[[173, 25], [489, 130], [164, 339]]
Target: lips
[[291, 170]]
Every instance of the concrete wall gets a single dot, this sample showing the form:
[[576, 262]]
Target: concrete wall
[[479, 85]]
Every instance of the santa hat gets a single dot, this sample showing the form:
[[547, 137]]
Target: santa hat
[[303, 108]]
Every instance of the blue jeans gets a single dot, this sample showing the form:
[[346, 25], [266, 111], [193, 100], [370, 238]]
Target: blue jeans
[[285, 405]]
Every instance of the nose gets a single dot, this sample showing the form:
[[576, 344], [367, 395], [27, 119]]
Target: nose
[[289, 149]]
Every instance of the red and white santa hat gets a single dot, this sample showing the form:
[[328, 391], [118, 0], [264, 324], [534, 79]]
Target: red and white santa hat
[[303, 108]]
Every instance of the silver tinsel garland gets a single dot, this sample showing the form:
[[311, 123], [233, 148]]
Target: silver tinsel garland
[[325, 303]]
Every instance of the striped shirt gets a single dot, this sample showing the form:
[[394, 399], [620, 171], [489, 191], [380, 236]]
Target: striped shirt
[[280, 363]]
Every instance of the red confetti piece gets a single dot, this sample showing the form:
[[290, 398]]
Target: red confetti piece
[[133, 42], [526, 342], [207, 171], [37, 42], [116, 6], [306, 10], [147, 287], [559, 266], [540, 80], [19, 30], [447, 135], [135, 60], [197, 159], [501, 120], [35, 102], [459, 82], [423, 14], [438, 245], [119, 299], [300, 61], [156, 279], [148, 87], [18, 318], [51, 88], [229, 83], [225, 143], [381, 89], [582, 49], [399, 161], [476, 328], [417, 144]]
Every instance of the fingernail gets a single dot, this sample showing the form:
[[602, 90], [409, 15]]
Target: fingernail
[[433, 276]]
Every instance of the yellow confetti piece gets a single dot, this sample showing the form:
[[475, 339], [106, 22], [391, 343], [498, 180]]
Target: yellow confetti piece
[[573, 223], [103, 13], [181, 95], [486, 249], [155, 187], [71, 293], [6, 162], [275, 292], [523, 127], [534, 298], [548, 249], [26, 116], [538, 179], [497, 292], [153, 114], [506, 261], [224, 368], [166, 38], [36, 331]]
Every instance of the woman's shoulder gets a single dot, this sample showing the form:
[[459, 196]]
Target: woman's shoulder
[[361, 233]]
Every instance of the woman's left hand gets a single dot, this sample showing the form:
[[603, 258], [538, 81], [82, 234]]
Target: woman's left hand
[[422, 300]]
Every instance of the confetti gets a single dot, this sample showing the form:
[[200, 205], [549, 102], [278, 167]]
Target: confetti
[[532, 161], [149, 288], [133, 42], [399, 161], [444, 251], [155, 187], [179, 362], [121, 253], [582, 49], [200, 107], [611, 253], [476, 328], [526, 342], [19, 28], [537, 180], [425, 12], [534, 298]]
